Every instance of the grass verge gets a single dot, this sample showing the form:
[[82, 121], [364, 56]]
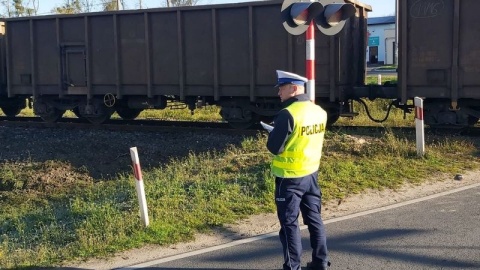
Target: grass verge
[[47, 222]]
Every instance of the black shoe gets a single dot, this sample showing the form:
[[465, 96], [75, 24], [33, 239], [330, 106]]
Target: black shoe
[[317, 266]]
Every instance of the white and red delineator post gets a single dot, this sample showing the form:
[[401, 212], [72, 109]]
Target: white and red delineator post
[[142, 201], [419, 126], [310, 60]]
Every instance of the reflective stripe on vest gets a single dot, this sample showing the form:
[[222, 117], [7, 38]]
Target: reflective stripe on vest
[[303, 149]]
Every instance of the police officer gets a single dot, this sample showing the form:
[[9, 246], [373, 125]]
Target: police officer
[[296, 141]]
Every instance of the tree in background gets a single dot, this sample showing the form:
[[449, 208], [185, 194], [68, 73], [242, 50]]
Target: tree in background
[[19, 8], [181, 3], [88, 5], [110, 5], [113, 4], [8, 10], [69, 7]]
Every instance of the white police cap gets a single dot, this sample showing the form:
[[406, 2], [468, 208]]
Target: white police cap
[[289, 78]]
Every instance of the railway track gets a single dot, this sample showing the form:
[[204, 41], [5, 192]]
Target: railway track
[[155, 125], [429, 131], [143, 125], [446, 131]]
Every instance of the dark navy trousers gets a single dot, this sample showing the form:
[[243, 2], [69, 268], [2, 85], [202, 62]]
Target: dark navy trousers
[[292, 196]]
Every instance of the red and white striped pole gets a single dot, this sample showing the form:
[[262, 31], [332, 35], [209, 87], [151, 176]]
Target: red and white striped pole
[[137, 171], [419, 126], [310, 60]]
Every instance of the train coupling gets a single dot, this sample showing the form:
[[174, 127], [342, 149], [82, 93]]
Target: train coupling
[[403, 106], [406, 108]]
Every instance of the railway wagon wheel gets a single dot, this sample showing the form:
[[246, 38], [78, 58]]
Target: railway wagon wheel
[[102, 114], [238, 115], [10, 111], [76, 111], [99, 119], [128, 113], [437, 113], [472, 120], [333, 112], [332, 117], [246, 122], [95, 111], [52, 115], [47, 109]]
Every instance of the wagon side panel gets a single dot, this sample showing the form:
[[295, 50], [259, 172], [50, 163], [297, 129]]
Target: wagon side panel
[[234, 36], [166, 53], [3, 54], [469, 49], [439, 49], [19, 58], [46, 57], [103, 54]]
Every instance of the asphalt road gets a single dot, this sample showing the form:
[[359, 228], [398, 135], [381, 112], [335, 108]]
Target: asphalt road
[[376, 71], [441, 231]]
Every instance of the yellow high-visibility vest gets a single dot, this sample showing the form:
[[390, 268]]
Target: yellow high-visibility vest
[[303, 150]]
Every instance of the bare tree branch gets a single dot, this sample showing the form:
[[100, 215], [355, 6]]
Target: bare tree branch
[[180, 3], [8, 9], [69, 7], [88, 5]]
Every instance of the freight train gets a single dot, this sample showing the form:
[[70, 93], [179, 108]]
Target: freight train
[[226, 55]]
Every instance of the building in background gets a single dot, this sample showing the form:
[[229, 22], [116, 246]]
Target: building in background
[[381, 40]]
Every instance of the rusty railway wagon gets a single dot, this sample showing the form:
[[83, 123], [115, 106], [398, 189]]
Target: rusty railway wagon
[[226, 55], [439, 59], [128, 61]]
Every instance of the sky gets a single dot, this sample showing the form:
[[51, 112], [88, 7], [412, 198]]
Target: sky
[[380, 7]]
